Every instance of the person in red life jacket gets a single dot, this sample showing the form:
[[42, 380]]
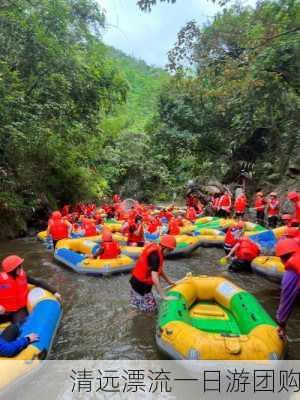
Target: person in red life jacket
[[294, 197], [240, 205], [191, 214], [98, 219], [286, 219], [65, 210], [132, 214], [293, 232], [154, 225], [168, 214], [289, 252], [189, 200], [273, 210], [174, 227], [109, 248], [233, 234], [244, 251], [14, 290], [259, 205], [58, 228], [148, 271], [224, 205], [89, 228], [110, 212], [214, 203], [136, 232], [116, 198]]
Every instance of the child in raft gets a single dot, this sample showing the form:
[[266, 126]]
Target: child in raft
[[109, 248], [233, 234], [244, 251]]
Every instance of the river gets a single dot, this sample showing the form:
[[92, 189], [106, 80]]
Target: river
[[97, 321]]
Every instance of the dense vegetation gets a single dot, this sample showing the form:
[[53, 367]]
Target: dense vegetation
[[233, 102], [64, 97], [79, 120]]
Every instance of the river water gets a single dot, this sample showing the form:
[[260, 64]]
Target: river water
[[99, 324]]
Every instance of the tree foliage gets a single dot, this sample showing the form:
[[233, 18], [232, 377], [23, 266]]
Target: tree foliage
[[56, 87], [237, 103]]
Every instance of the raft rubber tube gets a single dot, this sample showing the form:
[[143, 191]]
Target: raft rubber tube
[[74, 253], [185, 246], [268, 266], [210, 237], [44, 317], [213, 319]]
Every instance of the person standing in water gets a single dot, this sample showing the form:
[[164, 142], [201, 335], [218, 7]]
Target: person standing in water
[[148, 271]]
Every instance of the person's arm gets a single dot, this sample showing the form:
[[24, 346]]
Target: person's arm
[[156, 282], [98, 252], [43, 285], [166, 278], [11, 349], [70, 228], [233, 250]]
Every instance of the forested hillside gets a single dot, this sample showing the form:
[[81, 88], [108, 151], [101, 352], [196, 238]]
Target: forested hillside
[[79, 119], [64, 96], [233, 101]]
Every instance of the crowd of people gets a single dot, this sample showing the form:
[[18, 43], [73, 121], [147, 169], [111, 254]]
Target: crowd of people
[[269, 209], [139, 223]]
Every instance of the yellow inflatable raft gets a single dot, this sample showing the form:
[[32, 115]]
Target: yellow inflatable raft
[[43, 319], [185, 245], [269, 266], [210, 318], [74, 253]]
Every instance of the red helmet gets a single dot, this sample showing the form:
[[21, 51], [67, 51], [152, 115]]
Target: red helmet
[[106, 235], [56, 215], [286, 246], [292, 232], [286, 217], [293, 196], [11, 262], [168, 241]]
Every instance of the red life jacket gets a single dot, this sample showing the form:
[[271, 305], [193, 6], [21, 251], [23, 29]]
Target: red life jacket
[[247, 250], [225, 203], [65, 210], [189, 201], [240, 204], [230, 237], [153, 226], [111, 250], [58, 229], [135, 234], [116, 198], [215, 203], [273, 208], [191, 214], [90, 229], [141, 271], [174, 227], [297, 211], [13, 291], [259, 204], [293, 263]]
